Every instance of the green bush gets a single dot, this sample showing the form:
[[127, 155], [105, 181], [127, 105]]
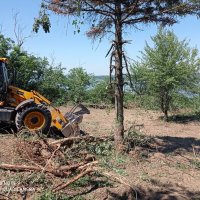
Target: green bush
[[168, 72], [146, 101], [101, 93], [78, 81]]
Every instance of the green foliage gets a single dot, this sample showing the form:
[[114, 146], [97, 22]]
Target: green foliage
[[78, 82], [182, 101], [34, 73], [134, 138], [5, 46], [54, 86], [82, 182], [101, 93], [42, 20], [50, 196], [129, 98], [101, 149], [139, 83], [167, 69], [195, 163], [146, 101], [29, 68]]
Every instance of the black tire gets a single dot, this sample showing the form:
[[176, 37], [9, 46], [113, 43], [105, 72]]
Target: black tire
[[37, 111]]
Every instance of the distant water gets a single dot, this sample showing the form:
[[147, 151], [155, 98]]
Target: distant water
[[127, 87]]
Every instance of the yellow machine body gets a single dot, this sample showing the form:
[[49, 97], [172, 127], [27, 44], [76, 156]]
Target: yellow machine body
[[13, 102], [17, 96]]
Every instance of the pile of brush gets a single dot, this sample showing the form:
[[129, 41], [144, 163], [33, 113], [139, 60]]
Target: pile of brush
[[61, 158]]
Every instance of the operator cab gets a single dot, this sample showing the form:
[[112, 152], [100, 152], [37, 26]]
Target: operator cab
[[3, 80]]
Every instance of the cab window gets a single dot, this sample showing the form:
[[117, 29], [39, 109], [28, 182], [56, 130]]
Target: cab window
[[1, 75]]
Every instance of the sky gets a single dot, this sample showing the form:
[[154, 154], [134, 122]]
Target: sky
[[76, 50]]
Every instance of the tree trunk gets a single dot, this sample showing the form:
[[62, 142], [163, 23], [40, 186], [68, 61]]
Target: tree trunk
[[166, 115], [119, 93], [165, 101]]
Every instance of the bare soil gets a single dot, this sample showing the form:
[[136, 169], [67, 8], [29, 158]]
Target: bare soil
[[171, 172], [168, 169], [102, 122]]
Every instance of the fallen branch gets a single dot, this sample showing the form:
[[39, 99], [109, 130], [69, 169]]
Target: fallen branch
[[49, 160], [88, 138], [20, 167], [61, 141], [87, 165], [62, 186], [121, 180], [61, 171], [112, 176], [71, 167]]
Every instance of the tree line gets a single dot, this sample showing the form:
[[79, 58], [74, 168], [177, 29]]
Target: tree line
[[30, 72], [165, 77]]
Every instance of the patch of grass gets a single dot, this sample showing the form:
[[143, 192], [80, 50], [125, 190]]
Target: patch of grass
[[82, 182], [99, 149], [121, 159], [145, 177], [97, 181], [146, 102], [35, 179], [114, 163], [101, 181], [120, 171], [181, 166], [47, 195], [195, 163]]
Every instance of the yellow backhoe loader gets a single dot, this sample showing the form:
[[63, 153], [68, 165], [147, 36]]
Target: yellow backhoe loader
[[33, 111]]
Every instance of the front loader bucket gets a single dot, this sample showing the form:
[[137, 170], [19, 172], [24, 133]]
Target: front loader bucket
[[74, 118]]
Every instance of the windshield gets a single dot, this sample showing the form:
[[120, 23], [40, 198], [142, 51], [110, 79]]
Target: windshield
[[3, 76]]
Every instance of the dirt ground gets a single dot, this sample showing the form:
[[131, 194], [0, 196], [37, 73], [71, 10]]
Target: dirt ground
[[173, 171], [102, 122], [170, 170]]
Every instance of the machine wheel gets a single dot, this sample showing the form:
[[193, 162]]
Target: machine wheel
[[34, 117]]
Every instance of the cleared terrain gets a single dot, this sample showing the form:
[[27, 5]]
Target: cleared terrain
[[168, 168]]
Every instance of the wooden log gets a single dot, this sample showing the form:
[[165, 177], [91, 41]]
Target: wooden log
[[71, 167], [60, 171], [62, 186], [20, 167], [61, 141], [87, 165], [87, 138]]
